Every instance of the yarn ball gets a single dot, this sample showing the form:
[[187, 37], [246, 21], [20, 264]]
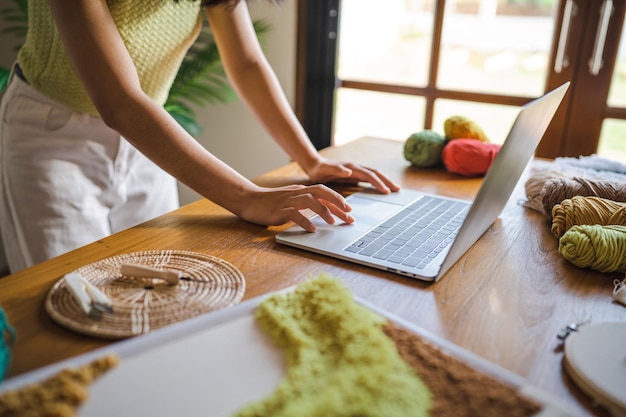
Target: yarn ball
[[469, 157], [457, 127], [423, 149], [535, 190], [5, 352], [602, 248], [556, 190], [580, 210]]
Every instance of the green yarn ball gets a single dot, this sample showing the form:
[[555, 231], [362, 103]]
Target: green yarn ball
[[423, 149]]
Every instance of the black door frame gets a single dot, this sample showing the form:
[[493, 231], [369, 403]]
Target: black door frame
[[318, 23]]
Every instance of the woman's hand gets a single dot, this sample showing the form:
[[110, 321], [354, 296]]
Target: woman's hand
[[276, 206], [332, 171]]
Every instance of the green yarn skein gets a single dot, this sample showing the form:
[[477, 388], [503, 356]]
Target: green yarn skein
[[598, 247], [423, 149], [5, 353]]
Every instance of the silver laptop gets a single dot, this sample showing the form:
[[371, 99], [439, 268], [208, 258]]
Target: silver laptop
[[422, 235]]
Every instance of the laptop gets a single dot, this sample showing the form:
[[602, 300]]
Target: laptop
[[422, 235]]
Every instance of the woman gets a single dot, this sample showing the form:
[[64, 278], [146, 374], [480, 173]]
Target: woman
[[85, 138]]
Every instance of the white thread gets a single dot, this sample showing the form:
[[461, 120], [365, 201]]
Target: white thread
[[619, 292]]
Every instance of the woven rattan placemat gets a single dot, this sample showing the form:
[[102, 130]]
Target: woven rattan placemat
[[145, 304]]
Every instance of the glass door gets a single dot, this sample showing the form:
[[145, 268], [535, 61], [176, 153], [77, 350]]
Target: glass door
[[407, 65]]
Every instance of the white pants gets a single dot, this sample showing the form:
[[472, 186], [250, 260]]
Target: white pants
[[67, 179]]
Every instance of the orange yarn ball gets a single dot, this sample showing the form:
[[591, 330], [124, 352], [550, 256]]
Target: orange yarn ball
[[469, 157]]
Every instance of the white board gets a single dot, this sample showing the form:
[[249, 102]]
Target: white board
[[213, 365]]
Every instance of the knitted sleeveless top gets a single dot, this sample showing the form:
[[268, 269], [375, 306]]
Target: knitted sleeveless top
[[157, 34]]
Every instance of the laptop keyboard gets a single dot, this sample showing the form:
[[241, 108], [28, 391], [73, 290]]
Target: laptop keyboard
[[414, 235]]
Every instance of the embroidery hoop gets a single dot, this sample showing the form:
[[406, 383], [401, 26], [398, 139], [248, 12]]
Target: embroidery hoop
[[595, 359]]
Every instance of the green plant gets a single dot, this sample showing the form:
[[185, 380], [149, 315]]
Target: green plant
[[16, 17], [200, 79]]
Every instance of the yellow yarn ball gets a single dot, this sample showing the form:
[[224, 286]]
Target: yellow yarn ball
[[580, 210], [602, 248], [457, 127]]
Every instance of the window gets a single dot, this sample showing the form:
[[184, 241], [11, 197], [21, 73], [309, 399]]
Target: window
[[405, 65]]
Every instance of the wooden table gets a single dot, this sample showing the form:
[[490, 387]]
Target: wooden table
[[505, 300]]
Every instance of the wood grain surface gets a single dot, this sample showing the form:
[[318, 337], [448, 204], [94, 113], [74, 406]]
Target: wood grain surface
[[505, 300]]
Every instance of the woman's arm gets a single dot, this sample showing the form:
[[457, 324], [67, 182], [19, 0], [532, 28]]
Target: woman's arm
[[255, 82], [104, 66]]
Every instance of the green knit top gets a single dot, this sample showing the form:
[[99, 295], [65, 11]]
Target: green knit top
[[157, 34]]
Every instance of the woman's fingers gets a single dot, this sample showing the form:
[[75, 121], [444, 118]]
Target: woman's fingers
[[320, 199], [374, 177], [341, 214], [274, 206], [294, 215], [350, 172], [310, 201], [326, 203]]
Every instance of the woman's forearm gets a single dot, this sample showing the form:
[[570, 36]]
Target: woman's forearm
[[261, 91], [158, 136], [255, 82]]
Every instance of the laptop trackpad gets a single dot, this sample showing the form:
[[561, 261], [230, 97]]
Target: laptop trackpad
[[369, 212], [366, 212]]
